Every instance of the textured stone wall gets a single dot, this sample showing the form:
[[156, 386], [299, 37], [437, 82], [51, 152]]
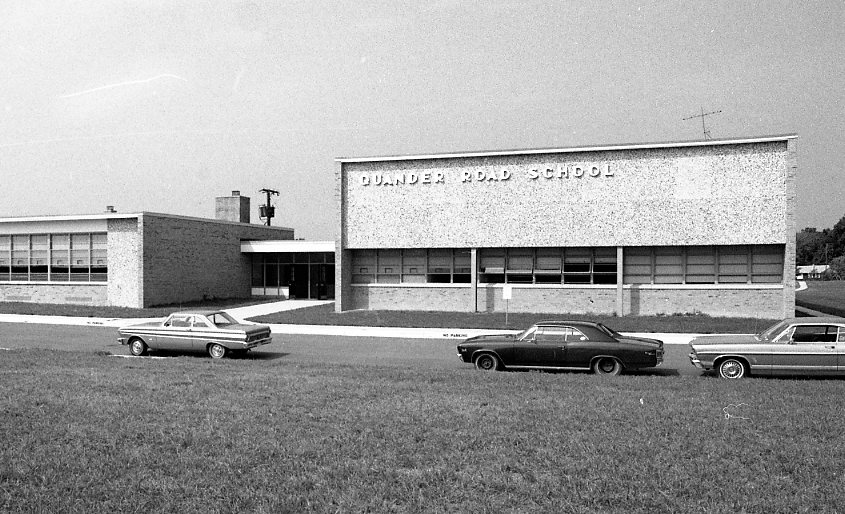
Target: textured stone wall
[[694, 195], [125, 271], [188, 259]]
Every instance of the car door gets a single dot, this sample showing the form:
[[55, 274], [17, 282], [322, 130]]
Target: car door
[[544, 349], [809, 348], [177, 334], [579, 349], [202, 331]]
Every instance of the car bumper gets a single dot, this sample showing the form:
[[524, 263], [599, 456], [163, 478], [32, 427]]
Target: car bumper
[[695, 361], [123, 340], [260, 342]]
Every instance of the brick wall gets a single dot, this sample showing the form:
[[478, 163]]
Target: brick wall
[[453, 299], [188, 259], [761, 302], [84, 294]]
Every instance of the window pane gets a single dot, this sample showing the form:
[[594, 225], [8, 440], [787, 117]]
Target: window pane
[[463, 261], [389, 262], [668, 265], [492, 260]]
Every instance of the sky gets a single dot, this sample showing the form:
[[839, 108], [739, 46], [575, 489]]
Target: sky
[[163, 105]]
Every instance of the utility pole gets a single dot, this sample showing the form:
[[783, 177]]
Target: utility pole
[[267, 211], [703, 126]]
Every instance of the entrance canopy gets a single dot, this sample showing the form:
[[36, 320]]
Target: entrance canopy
[[286, 246]]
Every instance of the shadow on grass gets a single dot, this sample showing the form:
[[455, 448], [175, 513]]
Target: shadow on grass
[[234, 356]]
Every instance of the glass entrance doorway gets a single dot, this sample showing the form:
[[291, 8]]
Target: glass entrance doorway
[[296, 276]]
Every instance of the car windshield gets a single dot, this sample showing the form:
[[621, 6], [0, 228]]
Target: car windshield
[[528, 333], [221, 319], [772, 331]]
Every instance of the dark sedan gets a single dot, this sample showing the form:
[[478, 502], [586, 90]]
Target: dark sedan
[[563, 346]]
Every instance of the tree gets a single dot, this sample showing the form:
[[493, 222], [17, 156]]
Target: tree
[[837, 268]]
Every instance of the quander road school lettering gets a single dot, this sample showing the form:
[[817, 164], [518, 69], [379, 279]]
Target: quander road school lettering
[[560, 171]]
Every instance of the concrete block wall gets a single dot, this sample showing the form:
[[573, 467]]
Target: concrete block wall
[[763, 302], [444, 299], [188, 259], [61, 293]]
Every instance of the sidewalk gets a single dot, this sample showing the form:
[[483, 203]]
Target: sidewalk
[[241, 313]]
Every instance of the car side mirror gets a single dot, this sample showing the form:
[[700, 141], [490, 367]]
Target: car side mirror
[[583, 338]]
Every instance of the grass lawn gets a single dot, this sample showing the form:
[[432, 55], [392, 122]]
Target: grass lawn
[[84, 432], [825, 296], [88, 311], [325, 315]]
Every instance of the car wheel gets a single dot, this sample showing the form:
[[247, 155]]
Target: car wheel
[[607, 366], [217, 351], [137, 347], [487, 362], [732, 369]]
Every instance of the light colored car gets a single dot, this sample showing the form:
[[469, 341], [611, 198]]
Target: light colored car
[[215, 332], [796, 346]]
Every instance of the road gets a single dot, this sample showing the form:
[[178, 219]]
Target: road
[[298, 349]]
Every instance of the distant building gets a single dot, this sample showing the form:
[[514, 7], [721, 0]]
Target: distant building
[[811, 272]]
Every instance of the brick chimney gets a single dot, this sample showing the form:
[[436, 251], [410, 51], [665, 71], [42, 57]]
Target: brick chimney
[[232, 208]]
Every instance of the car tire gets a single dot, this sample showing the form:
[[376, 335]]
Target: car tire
[[216, 351], [732, 369], [487, 362], [137, 347], [607, 366]]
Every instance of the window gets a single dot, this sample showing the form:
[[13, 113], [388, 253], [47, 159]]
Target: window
[[638, 265], [54, 257], [99, 257], [815, 334], [413, 265], [576, 266], [5, 258], [20, 257], [440, 266], [604, 266], [766, 264], [492, 265], [701, 265], [389, 265], [668, 265], [552, 334], [363, 266], [60, 258], [735, 264]]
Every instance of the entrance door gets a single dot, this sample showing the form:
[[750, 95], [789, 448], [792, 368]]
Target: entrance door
[[299, 282]]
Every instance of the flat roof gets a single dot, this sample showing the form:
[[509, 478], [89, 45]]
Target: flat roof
[[286, 246], [636, 146], [121, 215]]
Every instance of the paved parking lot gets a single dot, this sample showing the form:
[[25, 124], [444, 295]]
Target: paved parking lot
[[296, 348]]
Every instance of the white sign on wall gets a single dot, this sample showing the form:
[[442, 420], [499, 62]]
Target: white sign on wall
[[507, 292]]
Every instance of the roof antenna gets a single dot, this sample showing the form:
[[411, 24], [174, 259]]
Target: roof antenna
[[703, 126]]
